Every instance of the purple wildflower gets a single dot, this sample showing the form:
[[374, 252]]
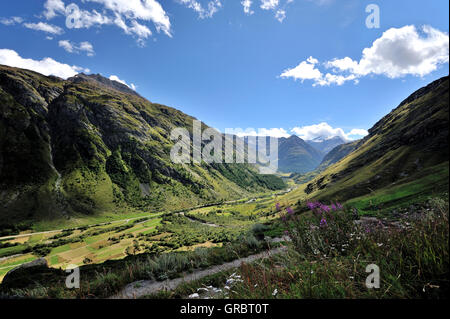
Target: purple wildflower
[[323, 222], [277, 206], [333, 207], [290, 210], [325, 208]]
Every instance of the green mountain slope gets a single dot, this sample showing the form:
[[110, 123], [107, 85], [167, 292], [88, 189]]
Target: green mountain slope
[[405, 146], [88, 145], [338, 153], [295, 155]]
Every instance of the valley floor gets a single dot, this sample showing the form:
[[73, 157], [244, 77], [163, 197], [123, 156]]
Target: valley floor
[[191, 251]]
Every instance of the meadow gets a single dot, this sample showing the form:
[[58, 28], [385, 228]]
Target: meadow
[[169, 245], [111, 238]]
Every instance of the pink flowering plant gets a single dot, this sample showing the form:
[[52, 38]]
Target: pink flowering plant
[[326, 231]]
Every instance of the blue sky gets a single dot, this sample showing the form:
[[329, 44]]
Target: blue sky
[[264, 68]]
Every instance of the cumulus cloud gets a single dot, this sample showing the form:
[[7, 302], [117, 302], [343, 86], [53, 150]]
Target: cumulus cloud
[[321, 131], [274, 132], [11, 21], [53, 8], [45, 27], [247, 4], [148, 10], [77, 48], [269, 4], [129, 15], [306, 70], [325, 131], [46, 66], [203, 12], [397, 53], [117, 79], [400, 52], [358, 131]]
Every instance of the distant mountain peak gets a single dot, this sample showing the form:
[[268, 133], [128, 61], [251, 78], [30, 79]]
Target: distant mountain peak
[[320, 139], [317, 139], [294, 137], [325, 145]]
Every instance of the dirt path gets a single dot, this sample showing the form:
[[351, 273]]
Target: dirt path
[[148, 287]]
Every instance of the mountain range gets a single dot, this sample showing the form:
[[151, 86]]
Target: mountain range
[[325, 145], [408, 146], [87, 144], [296, 155]]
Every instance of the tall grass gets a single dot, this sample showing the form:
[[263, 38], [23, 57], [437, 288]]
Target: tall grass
[[329, 253]]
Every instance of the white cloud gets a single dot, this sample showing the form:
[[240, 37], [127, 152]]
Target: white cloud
[[269, 4], [45, 27], [117, 79], [148, 10], [53, 7], [11, 21], [247, 4], [125, 14], [46, 66], [274, 132], [358, 131], [325, 131], [306, 70], [87, 19], [397, 53], [87, 47], [277, 6], [400, 52], [66, 45], [321, 131], [280, 15], [329, 79], [74, 48], [203, 12], [141, 31]]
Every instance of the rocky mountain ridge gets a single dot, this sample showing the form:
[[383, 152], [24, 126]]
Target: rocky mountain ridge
[[88, 145]]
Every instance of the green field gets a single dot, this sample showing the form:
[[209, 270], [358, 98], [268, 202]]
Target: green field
[[116, 236]]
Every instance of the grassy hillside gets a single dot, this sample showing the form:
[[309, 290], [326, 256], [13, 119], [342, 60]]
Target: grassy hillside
[[295, 155], [337, 153], [89, 145], [404, 146]]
